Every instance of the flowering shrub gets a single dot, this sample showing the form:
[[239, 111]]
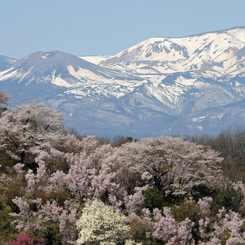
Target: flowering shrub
[[22, 239], [100, 225]]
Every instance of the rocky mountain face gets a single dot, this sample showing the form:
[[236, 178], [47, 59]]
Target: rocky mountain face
[[161, 86]]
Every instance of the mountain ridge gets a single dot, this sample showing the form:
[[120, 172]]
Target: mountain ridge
[[159, 86]]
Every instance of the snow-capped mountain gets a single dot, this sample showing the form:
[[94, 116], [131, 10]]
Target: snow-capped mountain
[[160, 86], [58, 68], [217, 52], [5, 62]]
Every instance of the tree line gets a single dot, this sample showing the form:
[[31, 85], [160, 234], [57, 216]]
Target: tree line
[[57, 187]]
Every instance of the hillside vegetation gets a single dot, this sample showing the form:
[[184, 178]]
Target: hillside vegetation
[[62, 188]]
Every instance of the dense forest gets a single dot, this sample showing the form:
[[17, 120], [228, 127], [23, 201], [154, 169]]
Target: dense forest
[[58, 187]]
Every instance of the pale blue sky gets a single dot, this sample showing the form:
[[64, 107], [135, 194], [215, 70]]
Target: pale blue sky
[[101, 27]]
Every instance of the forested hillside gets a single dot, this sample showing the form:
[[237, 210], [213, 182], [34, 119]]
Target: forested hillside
[[59, 188]]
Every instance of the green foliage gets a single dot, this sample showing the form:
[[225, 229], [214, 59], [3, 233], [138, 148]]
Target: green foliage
[[187, 209], [7, 231], [48, 236], [139, 228], [6, 161], [155, 198], [13, 189], [201, 191], [227, 197]]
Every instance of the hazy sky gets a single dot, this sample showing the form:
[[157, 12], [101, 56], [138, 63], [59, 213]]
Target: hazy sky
[[90, 27]]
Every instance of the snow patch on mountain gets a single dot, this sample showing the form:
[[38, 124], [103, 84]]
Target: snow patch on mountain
[[84, 74], [95, 59]]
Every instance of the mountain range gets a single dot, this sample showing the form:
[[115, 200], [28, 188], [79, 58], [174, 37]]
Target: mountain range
[[161, 86]]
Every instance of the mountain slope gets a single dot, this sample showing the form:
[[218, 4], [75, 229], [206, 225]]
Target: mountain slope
[[6, 62], [59, 68], [217, 52], [164, 86]]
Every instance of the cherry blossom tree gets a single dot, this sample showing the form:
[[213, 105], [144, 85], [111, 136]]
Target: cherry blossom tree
[[4, 97], [70, 180], [169, 230], [58, 196], [176, 165], [227, 228], [25, 130]]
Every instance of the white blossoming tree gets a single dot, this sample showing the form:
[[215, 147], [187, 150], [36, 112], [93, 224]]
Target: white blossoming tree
[[100, 225], [4, 97], [29, 129], [175, 165]]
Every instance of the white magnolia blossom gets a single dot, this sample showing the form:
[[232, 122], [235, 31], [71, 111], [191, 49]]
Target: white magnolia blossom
[[100, 225]]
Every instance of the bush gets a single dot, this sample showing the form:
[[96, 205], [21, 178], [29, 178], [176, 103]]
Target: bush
[[100, 225], [227, 197], [155, 198], [22, 239], [48, 236], [188, 209], [7, 231]]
